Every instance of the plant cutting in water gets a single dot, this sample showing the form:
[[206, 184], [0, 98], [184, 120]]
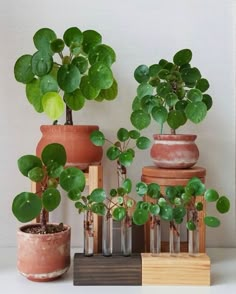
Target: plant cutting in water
[[67, 71], [171, 92]]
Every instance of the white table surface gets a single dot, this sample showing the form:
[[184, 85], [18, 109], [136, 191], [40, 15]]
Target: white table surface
[[223, 279]]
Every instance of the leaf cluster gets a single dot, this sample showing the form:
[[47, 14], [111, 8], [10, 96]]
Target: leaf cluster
[[67, 70], [171, 92]]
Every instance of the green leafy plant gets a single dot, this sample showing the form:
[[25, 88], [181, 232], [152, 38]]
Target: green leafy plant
[[49, 173], [119, 202], [177, 202], [67, 71], [171, 92]]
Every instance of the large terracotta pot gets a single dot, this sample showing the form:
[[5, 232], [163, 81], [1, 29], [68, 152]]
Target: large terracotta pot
[[81, 152], [43, 257], [174, 151]]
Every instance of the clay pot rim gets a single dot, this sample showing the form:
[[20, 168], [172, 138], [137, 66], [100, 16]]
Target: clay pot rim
[[69, 127], [176, 137], [21, 228]]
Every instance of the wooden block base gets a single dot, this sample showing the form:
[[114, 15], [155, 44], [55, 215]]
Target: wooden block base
[[175, 270], [115, 270]]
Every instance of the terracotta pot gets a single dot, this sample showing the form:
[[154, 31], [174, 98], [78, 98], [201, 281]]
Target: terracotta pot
[[43, 258], [81, 152], [174, 151]]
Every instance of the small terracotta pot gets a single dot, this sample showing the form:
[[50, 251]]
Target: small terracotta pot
[[81, 152], [174, 151], [42, 258]]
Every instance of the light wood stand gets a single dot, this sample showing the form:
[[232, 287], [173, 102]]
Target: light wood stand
[[94, 179], [181, 269]]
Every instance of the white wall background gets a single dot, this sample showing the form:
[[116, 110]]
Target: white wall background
[[140, 32]]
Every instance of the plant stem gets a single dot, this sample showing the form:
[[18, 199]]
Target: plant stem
[[121, 171], [43, 219], [69, 120], [172, 132]]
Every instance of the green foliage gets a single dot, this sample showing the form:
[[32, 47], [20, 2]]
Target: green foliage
[[170, 92], [48, 171], [67, 71]]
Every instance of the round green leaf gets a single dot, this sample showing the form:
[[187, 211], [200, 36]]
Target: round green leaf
[[186, 198], [43, 39], [176, 118], [141, 188], [171, 99], [154, 209], [73, 36], [171, 192], [136, 104], [140, 119], [26, 206], [163, 89], [97, 138], [110, 93], [54, 169], [148, 102], [160, 114], [182, 57], [34, 94], [179, 212], [113, 192], [166, 212], [181, 105], [36, 174], [126, 158], [154, 70], [141, 74], [144, 89], [72, 178], [48, 84], [134, 134], [42, 63], [127, 185], [91, 39], [87, 89], [196, 111], [140, 216], [190, 75], [98, 195], [102, 54], [68, 77], [163, 74], [199, 206], [119, 213], [191, 226], [223, 204], [51, 199], [211, 195], [53, 105], [82, 63], [28, 162], [74, 100], [130, 203], [113, 152], [54, 152], [100, 76], [162, 202], [23, 69], [212, 221], [207, 100], [202, 85], [98, 208], [196, 186], [194, 95], [153, 190], [143, 143], [123, 134], [57, 45]]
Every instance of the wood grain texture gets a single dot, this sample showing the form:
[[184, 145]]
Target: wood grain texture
[[175, 270], [185, 173], [115, 270]]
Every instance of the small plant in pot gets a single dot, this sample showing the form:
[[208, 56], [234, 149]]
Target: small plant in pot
[[173, 205], [61, 76], [171, 92], [119, 204], [44, 248]]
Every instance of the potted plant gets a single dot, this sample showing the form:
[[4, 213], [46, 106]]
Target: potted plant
[[171, 92], [119, 204], [172, 206], [44, 248], [61, 76]]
